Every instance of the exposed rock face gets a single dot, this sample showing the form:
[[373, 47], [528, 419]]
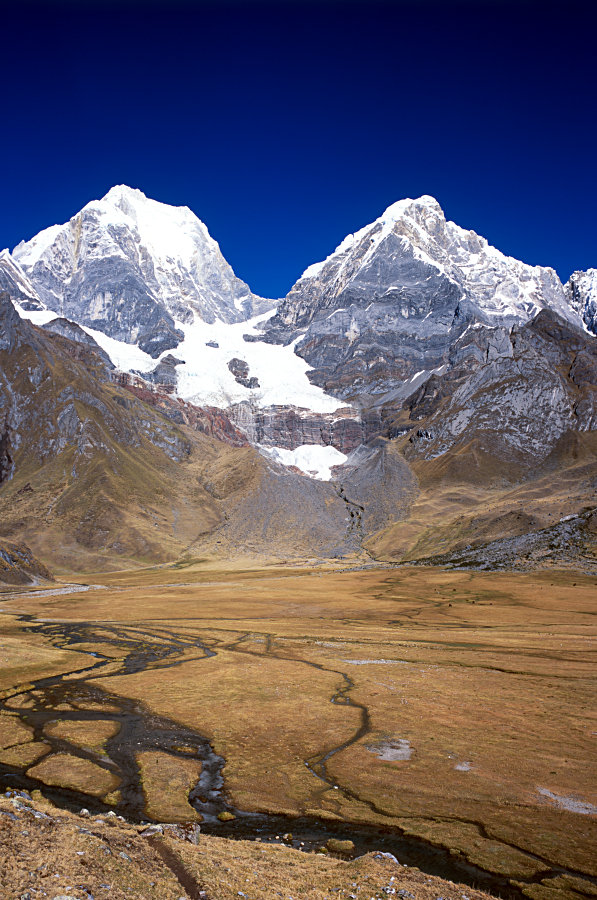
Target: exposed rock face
[[19, 566], [206, 419], [240, 370], [393, 298], [75, 333], [14, 281], [581, 290], [9, 323], [515, 393], [130, 266], [290, 427]]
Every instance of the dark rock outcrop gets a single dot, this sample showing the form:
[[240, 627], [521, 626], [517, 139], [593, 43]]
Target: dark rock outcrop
[[240, 371], [290, 427], [164, 373], [75, 333], [5, 457]]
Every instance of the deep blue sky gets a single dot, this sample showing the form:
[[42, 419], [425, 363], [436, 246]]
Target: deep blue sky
[[286, 125]]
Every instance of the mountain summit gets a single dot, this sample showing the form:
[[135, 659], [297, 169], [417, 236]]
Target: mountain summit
[[131, 267], [390, 301]]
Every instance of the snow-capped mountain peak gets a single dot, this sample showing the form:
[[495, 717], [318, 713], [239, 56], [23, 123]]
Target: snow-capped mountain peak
[[417, 230], [172, 232], [391, 300], [379, 229], [131, 266]]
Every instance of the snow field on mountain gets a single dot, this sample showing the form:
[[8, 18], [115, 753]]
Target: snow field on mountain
[[312, 459], [282, 375], [204, 378], [38, 317]]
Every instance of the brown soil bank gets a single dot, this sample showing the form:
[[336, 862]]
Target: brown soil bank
[[52, 854]]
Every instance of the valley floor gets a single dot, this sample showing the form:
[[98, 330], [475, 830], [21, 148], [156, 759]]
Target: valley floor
[[447, 717]]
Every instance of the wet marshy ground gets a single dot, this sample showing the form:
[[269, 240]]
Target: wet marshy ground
[[75, 698], [82, 698]]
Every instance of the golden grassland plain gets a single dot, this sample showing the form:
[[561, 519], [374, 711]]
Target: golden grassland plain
[[26, 657], [476, 691]]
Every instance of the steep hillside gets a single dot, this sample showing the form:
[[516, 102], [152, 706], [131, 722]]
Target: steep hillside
[[19, 566], [98, 474], [504, 446], [83, 462]]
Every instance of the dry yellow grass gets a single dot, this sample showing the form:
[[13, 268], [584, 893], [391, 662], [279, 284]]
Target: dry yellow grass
[[25, 657], [12, 731], [166, 782], [64, 770], [110, 860], [24, 755], [479, 686], [92, 735]]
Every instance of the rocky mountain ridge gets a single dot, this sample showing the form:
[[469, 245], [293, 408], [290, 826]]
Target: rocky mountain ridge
[[133, 267], [384, 309], [581, 291], [373, 322], [416, 362]]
